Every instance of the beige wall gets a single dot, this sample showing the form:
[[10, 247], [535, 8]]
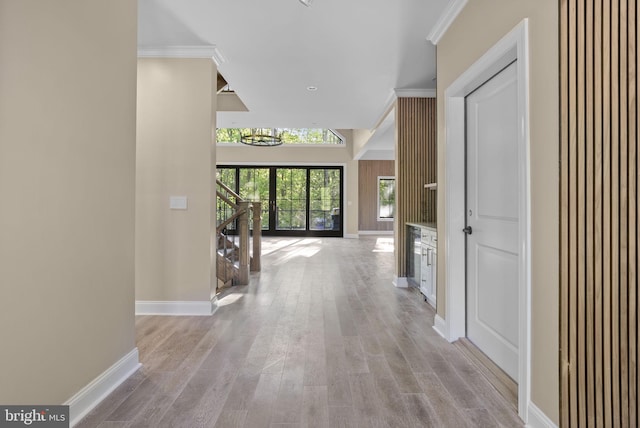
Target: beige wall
[[477, 28], [67, 159], [304, 155], [175, 157]]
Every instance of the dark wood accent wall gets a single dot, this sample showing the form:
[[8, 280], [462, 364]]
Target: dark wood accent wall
[[416, 165], [368, 173], [599, 213]]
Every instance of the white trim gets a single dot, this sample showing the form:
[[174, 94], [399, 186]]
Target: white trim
[[208, 51], [400, 282], [195, 308], [97, 390], [440, 326], [513, 46], [537, 418], [375, 232], [447, 17], [415, 93], [351, 236]]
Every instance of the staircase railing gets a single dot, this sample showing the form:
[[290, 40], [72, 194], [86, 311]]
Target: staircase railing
[[235, 261]]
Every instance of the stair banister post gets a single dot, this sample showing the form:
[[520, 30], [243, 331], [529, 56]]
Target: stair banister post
[[243, 228], [257, 236]]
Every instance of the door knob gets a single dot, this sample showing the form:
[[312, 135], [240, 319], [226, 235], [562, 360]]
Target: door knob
[[468, 230]]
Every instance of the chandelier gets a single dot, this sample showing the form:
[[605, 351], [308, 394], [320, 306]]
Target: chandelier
[[261, 137]]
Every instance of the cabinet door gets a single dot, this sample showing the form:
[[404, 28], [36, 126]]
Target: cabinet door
[[426, 283], [434, 283]]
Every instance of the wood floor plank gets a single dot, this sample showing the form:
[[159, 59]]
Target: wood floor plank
[[289, 400], [480, 418], [365, 400], [139, 398], [355, 358], [196, 403], [261, 406], [315, 408], [389, 395], [315, 367], [339, 392], [231, 419], [447, 412], [274, 362], [398, 364], [420, 410], [342, 417], [459, 389]]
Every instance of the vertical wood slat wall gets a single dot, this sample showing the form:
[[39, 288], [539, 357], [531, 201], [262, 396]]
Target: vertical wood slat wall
[[599, 213], [416, 165], [368, 173]]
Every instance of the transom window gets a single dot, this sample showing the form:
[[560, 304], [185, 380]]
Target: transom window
[[312, 136]]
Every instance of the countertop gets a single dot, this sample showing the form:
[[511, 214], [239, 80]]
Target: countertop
[[431, 226]]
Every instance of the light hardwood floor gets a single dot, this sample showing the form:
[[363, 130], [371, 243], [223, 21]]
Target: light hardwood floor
[[320, 338]]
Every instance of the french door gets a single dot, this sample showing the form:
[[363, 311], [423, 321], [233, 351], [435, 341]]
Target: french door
[[296, 200]]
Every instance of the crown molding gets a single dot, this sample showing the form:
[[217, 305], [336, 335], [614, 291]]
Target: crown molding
[[449, 15], [415, 93], [208, 51], [390, 104]]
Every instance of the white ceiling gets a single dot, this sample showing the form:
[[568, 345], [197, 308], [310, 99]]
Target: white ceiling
[[356, 52]]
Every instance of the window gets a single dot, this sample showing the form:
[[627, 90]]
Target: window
[[311, 136], [386, 198]]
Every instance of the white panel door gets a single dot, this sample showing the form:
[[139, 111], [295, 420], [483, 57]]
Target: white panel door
[[492, 215]]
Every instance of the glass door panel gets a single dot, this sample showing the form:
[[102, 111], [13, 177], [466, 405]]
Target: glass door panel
[[324, 199], [291, 198], [254, 186]]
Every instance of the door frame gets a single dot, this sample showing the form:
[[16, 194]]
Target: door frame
[[514, 46]]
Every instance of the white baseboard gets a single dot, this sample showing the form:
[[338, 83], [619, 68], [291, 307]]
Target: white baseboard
[[537, 418], [400, 282], [189, 308], [440, 326], [375, 232], [351, 236], [97, 390]]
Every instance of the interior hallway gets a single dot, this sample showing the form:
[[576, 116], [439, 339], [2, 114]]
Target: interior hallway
[[320, 338]]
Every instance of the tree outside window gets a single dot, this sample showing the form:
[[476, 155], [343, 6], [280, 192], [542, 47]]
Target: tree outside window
[[386, 198], [293, 136]]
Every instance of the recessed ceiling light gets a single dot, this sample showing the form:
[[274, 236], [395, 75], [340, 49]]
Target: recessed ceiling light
[[312, 88], [306, 2]]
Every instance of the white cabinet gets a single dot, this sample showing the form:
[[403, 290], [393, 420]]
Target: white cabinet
[[428, 266], [422, 258]]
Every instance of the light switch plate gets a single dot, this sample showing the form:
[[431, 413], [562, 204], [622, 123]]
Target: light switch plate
[[178, 202]]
